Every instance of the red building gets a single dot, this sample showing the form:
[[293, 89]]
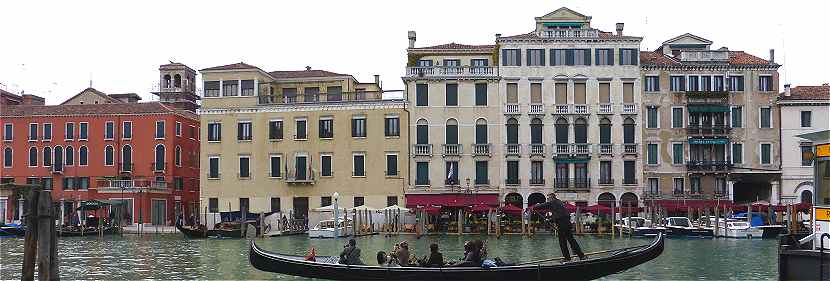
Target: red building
[[108, 147]]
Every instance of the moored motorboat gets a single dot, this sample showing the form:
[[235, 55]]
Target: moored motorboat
[[639, 226], [757, 222], [682, 227], [326, 229], [739, 229]]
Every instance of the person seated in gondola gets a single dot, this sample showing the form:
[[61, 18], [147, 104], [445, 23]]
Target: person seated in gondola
[[402, 253], [472, 257], [436, 259], [350, 254]]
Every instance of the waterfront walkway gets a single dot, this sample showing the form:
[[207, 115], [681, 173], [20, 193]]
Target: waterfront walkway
[[149, 229]]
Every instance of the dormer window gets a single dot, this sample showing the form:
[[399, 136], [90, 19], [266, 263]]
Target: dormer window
[[424, 63]]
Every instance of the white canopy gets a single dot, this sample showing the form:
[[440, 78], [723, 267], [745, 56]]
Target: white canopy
[[396, 207], [329, 208], [363, 208]]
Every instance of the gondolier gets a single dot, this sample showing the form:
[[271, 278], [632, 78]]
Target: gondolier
[[562, 219]]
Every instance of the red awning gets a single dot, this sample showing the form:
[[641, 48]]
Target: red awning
[[431, 210], [510, 209], [451, 200], [598, 209], [480, 208]]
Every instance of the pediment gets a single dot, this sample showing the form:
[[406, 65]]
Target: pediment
[[565, 14], [688, 39]]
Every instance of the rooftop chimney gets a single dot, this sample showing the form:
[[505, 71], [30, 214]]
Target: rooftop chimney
[[307, 68], [620, 29], [411, 35], [786, 90], [377, 80], [772, 55], [498, 35]]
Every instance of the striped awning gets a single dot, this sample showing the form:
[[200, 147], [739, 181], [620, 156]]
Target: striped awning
[[709, 141]]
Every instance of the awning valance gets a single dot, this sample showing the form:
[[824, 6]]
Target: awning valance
[[708, 108], [450, 200], [709, 141]]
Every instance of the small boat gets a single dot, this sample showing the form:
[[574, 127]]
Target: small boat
[[325, 229], [326, 267], [74, 231], [757, 222], [199, 231], [12, 230], [639, 226], [232, 229], [682, 227], [739, 229]]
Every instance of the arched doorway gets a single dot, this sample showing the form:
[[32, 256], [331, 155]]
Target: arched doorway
[[535, 198], [628, 199], [607, 199], [807, 197], [514, 199]]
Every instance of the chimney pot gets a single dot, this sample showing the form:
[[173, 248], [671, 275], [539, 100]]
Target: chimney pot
[[308, 68], [412, 37], [772, 55], [620, 28], [498, 35], [786, 90], [377, 79]]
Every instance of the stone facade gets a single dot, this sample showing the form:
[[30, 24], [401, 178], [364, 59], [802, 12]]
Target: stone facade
[[804, 109]]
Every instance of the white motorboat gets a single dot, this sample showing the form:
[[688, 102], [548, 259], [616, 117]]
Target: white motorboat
[[739, 229], [326, 229], [682, 227], [639, 226]]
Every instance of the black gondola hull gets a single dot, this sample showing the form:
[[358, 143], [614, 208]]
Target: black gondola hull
[[580, 270]]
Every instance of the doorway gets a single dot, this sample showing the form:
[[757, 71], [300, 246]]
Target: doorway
[[158, 212]]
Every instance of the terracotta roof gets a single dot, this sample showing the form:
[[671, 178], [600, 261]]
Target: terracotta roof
[[657, 57], [455, 46], [89, 109], [741, 58], [303, 74], [94, 91], [808, 93], [529, 35], [233, 66], [735, 58]]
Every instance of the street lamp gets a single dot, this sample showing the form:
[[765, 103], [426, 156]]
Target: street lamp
[[336, 197]]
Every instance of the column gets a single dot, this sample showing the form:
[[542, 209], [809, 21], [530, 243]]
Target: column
[[220, 88], [730, 188], [256, 90], [775, 191], [239, 88]]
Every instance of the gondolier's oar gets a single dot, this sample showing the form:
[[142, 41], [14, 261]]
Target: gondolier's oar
[[586, 254]]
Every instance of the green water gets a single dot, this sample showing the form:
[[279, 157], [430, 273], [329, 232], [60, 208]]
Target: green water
[[174, 257]]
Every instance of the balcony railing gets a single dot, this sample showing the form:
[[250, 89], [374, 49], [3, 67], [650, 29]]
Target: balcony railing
[[452, 71], [562, 148], [132, 185], [572, 184], [708, 166], [561, 109], [512, 182], [451, 149], [605, 108], [537, 108], [582, 149], [293, 177], [537, 181], [537, 149], [572, 148], [630, 148], [581, 108], [606, 148], [629, 108], [629, 181], [571, 33], [604, 181], [481, 149], [695, 129], [158, 166], [422, 149], [513, 149], [511, 108], [359, 96]]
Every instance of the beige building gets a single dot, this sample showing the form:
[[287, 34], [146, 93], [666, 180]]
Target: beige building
[[287, 140]]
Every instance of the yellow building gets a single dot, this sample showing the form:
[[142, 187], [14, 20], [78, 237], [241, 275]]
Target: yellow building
[[287, 140]]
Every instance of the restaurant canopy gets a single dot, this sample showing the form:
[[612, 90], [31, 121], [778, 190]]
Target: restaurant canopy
[[510, 209], [451, 200]]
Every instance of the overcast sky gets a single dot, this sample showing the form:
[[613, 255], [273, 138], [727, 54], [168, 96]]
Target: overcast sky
[[52, 49]]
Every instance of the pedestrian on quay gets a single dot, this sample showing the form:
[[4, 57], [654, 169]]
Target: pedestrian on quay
[[562, 220]]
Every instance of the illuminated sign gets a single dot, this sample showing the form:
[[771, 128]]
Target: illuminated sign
[[823, 150]]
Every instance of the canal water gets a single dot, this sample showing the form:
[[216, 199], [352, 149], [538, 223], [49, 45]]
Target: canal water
[[171, 256]]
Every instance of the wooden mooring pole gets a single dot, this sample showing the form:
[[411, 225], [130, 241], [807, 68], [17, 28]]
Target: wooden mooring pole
[[30, 242]]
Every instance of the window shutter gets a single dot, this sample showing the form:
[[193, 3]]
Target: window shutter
[[569, 57], [504, 57], [542, 57], [587, 54], [518, 57], [529, 57], [610, 56]]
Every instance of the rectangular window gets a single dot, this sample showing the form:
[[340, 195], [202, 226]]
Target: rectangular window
[[678, 83], [274, 130], [652, 83], [276, 166], [604, 57], [653, 185], [289, 95], [736, 83], [109, 130], [326, 128], [806, 117], [693, 83], [301, 133], [358, 168], [230, 88], [737, 153], [83, 131], [629, 172], [391, 165], [325, 165], [481, 94], [537, 172], [694, 183], [766, 154], [512, 93], [652, 154], [422, 173], [178, 129], [581, 57], [451, 98], [8, 131], [127, 130], [334, 93], [717, 83], [391, 126], [605, 172], [359, 201], [765, 83], [244, 205], [766, 117], [806, 151], [424, 63], [213, 205], [679, 186], [213, 167], [311, 94], [247, 88], [214, 131], [737, 117], [211, 88], [629, 56], [677, 117], [677, 153], [451, 173], [421, 95], [535, 57], [705, 83], [159, 129], [391, 200], [275, 204], [47, 131], [511, 57], [325, 201], [244, 166], [70, 131], [482, 177], [512, 172], [558, 57], [652, 118], [178, 183], [33, 131], [359, 127], [244, 131]]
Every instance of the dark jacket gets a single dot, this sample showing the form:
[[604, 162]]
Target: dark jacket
[[557, 207], [350, 255], [436, 259]]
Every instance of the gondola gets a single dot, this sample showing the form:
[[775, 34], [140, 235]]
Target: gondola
[[327, 267], [12, 230], [73, 232], [195, 232]]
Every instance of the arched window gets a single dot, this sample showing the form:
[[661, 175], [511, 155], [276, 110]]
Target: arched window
[[512, 131], [422, 132], [536, 131], [628, 130], [604, 130], [607, 199], [167, 81], [481, 131], [109, 156], [514, 199], [69, 160], [83, 157], [58, 163], [580, 131], [159, 164], [127, 158], [178, 156], [807, 197], [451, 132], [628, 200], [561, 130], [7, 157], [177, 81], [33, 157], [47, 156]]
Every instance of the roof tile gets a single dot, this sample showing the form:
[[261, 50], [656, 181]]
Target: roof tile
[[808, 93], [303, 74], [455, 46], [233, 66], [90, 109]]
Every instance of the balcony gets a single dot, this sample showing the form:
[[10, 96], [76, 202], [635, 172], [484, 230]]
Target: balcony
[[513, 149], [452, 71], [562, 148], [630, 148], [158, 167], [421, 182], [629, 108], [537, 149], [572, 148], [606, 149], [603, 181], [537, 182], [695, 129], [605, 108], [581, 108], [512, 182], [629, 181], [561, 109], [707, 97], [422, 149], [295, 178], [325, 98], [581, 148], [511, 108], [451, 149], [536, 108], [481, 149], [572, 184], [708, 166], [112, 186], [571, 33]]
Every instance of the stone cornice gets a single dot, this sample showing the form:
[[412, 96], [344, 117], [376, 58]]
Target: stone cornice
[[393, 104], [688, 67]]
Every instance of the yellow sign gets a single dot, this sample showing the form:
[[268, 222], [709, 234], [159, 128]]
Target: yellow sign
[[822, 214], [823, 150]]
